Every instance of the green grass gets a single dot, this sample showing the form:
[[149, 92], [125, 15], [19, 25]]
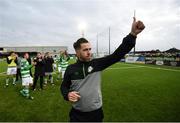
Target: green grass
[[141, 94], [130, 93], [3, 65]]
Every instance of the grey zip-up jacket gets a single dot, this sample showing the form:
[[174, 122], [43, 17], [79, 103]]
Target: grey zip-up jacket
[[85, 77]]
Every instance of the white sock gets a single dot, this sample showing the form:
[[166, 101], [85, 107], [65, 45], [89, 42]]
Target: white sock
[[52, 79], [63, 74], [7, 81], [14, 80], [59, 76], [45, 81]]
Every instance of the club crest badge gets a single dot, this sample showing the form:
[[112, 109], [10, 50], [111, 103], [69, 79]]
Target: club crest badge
[[90, 68]]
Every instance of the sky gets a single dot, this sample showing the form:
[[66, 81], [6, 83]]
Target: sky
[[56, 23]]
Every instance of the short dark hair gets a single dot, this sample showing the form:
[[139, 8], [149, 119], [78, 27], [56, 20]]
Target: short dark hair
[[11, 52], [25, 53], [46, 53], [77, 44], [38, 53]]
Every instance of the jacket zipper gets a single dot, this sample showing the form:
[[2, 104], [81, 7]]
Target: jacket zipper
[[84, 71]]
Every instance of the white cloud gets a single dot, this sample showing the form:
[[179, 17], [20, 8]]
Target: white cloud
[[54, 22]]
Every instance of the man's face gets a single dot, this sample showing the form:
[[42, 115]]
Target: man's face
[[26, 56], [48, 54], [39, 55], [84, 53]]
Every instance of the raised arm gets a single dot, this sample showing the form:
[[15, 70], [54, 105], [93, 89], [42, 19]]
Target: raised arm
[[127, 44]]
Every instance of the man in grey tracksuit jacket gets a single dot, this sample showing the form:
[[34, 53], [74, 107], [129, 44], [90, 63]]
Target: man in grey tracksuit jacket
[[82, 81]]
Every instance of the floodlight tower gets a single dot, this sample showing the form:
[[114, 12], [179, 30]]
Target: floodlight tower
[[82, 27], [134, 46]]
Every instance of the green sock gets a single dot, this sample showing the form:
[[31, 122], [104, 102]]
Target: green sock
[[26, 92], [23, 92]]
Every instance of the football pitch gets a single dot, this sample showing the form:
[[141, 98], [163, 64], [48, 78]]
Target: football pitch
[[131, 92]]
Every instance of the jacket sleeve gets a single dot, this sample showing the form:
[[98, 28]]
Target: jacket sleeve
[[68, 58], [16, 61], [8, 60], [127, 44], [43, 62], [25, 67], [28, 67], [65, 86], [52, 60]]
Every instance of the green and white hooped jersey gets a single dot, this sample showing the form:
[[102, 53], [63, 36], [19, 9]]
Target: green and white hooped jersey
[[25, 68], [58, 61], [63, 62]]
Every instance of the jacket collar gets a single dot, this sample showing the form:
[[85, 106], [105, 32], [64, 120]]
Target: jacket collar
[[82, 62]]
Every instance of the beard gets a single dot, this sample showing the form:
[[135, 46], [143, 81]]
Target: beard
[[86, 59]]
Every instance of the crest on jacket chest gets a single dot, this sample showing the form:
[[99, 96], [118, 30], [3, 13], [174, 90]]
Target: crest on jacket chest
[[90, 68]]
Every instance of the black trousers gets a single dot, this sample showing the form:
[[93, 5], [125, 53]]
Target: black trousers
[[31, 73], [18, 74], [92, 116], [36, 79]]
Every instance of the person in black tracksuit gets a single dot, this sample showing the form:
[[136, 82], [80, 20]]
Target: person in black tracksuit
[[29, 60], [82, 81], [48, 68], [39, 70], [18, 74]]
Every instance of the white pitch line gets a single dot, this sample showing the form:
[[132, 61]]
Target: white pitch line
[[136, 66], [124, 67], [174, 70], [158, 68]]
